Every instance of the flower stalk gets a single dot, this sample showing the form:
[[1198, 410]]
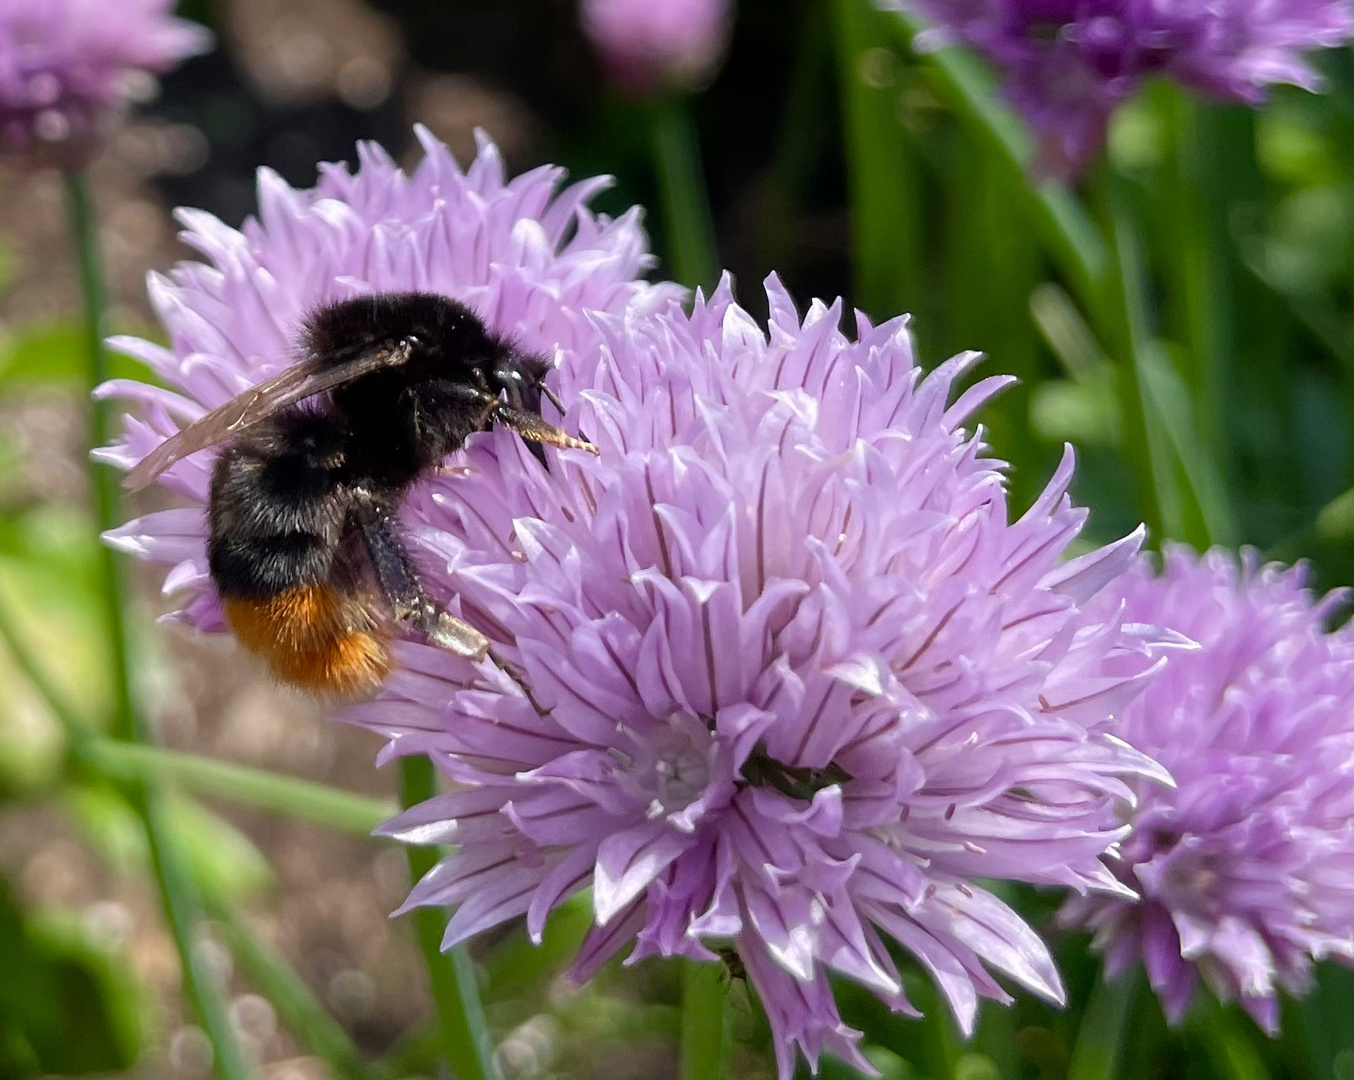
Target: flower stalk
[[296, 1003], [704, 988], [178, 896], [271, 792], [1104, 1029], [465, 1043], [84, 228], [681, 182], [1210, 167], [881, 167], [1123, 319], [75, 728], [1073, 240]]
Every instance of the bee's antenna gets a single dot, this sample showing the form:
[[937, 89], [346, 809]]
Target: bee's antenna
[[550, 396]]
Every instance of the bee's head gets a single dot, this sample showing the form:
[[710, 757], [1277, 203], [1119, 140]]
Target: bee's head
[[521, 377]]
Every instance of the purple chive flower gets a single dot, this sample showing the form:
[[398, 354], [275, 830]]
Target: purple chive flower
[[784, 676], [648, 45], [1246, 869], [1068, 64], [66, 64]]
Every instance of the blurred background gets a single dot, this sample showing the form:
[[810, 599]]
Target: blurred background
[[832, 154]]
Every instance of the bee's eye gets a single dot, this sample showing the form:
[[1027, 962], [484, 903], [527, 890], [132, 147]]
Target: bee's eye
[[413, 341]]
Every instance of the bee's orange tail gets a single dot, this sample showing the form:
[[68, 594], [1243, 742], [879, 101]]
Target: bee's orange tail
[[314, 637]]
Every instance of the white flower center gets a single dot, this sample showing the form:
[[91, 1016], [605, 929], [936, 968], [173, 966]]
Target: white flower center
[[672, 768]]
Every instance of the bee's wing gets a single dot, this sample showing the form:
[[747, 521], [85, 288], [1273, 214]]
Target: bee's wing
[[298, 382]]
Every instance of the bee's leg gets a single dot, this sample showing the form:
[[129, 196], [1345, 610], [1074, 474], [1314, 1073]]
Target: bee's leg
[[399, 583], [550, 396], [404, 593]]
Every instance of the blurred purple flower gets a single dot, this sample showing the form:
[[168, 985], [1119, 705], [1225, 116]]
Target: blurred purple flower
[[785, 676], [66, 64], [796, 682], [1068, 64], [1246, 869], [649, 45]]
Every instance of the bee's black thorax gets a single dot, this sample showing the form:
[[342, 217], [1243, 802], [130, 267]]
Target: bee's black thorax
[[406, 420], [282, 493]]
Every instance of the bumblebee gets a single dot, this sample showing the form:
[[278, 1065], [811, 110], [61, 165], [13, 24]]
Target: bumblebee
[[304, 542]]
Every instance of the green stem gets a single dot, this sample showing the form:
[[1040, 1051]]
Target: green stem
[[1063, 224], [178, 895], [259, 788], [75, 727], [882, 173], [1105, 1026], [126, 718], [1219, 1035], [681, 184], [296, 1004], [804, 125], [179, 898], [465, 1040], [415, 1053], [1212, 156], [1123, 316], [1200, 213], [1183, 493], [704, 987]]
